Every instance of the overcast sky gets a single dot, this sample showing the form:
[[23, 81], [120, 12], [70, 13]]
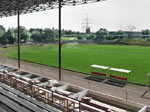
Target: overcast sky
[[110, 14]]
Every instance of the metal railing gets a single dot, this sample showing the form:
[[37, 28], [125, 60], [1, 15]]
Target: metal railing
[[54, 99]]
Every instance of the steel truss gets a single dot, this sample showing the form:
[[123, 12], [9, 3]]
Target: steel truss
[[10, 7]]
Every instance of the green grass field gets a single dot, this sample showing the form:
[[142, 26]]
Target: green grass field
[[80, 57]]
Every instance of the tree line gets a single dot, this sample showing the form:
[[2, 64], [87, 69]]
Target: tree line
[[50, 35], [104, 34], [32, 35]]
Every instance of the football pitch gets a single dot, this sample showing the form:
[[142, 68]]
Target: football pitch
[[80, 57]]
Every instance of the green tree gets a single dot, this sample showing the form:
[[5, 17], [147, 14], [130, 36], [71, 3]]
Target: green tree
[[2, 31], [82, 37], [2, 28], [8, 37], [24, 34], [32, 30], [36, 36], [3, 39], [119, 34], [110, 37], [145, 33], [49, 35], [91, 37], [102, 34]]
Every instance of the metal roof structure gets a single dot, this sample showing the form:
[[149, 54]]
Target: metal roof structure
[[10, 7]]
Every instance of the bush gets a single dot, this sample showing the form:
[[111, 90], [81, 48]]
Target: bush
[[135, 41]]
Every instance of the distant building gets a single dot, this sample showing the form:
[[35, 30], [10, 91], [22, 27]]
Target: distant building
[[128, 34]]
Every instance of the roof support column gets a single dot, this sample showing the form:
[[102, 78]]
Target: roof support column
[[59, 20], [18, 16]]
